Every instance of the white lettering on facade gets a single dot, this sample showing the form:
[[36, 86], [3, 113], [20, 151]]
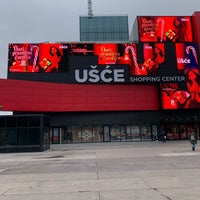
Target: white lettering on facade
[[95, 75], [183, 61], [173, 78]]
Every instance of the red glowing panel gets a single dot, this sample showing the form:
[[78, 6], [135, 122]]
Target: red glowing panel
[[50, 57], [23, 57], [193, 88], [107, 53], [162, 29], [172, 97], [154, 54], [130, 58], [34, 57]]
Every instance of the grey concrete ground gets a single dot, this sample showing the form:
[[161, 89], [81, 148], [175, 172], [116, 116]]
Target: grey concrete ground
[[109, 171]]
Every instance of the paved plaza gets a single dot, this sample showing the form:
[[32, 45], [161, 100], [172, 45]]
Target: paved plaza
[[106, 171]]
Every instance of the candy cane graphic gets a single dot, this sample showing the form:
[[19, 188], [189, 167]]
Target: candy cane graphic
[[162, 28], [36, 48], [188, 48], [131, 48]]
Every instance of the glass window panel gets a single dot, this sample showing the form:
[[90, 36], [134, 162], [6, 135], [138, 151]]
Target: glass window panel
[[22, 136], [154, 129], [97, 134], [106, 134], [55, 136], [76, 133], [22, 121], [115, 133], [34, 136], [2, 137], [34, 121], [115, 26], [63, 132], [183, 132], [2, 122], [86, 134], [175, 130], [124, 136], [46, 138], [129, 133], [68, 136], [11, 135], [100, 37], [146, 132], [135, 131], [83, 37], [11, 122], [104, 24], [46, 122]]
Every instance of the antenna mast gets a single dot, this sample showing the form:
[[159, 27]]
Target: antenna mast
[[90, 14]]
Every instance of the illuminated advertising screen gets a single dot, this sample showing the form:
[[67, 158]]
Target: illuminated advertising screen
[[147, 63], [56, 57], [107, 53], [78, 62], [165, 29], [175, 97], [187, 56], [103, 62], [36, 57]]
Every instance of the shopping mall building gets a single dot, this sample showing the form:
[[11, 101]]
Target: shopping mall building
[[132, 90]]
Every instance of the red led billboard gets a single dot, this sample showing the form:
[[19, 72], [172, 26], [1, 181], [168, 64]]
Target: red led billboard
[[153, 55], [103, 62], [173, 97], [56, 57], [165, 29], [107, 53], [34, 57]]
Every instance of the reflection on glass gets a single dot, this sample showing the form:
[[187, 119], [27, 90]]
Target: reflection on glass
[[86, 134], [146, 132], [11, 137], [22, 136], [76, 130], [106, 134], [2, 137], [135, 130], [115, 133]]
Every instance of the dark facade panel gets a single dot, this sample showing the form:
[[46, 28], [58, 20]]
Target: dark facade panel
[[24, 133], [104, 118], [123, 117]]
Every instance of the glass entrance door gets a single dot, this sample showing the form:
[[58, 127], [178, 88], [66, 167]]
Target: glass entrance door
[[106, 134], [55, 136]]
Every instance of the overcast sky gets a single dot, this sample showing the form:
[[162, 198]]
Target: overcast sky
[[58, 20]]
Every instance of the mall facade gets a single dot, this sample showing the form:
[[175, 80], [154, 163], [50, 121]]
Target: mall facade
[[132, 90]]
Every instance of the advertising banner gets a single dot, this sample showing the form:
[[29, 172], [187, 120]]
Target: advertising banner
[[175, 96], [187, 56], [104, 62], [36, 57], [165, 29]]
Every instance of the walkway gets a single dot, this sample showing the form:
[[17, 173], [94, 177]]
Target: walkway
[[108, 171]]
